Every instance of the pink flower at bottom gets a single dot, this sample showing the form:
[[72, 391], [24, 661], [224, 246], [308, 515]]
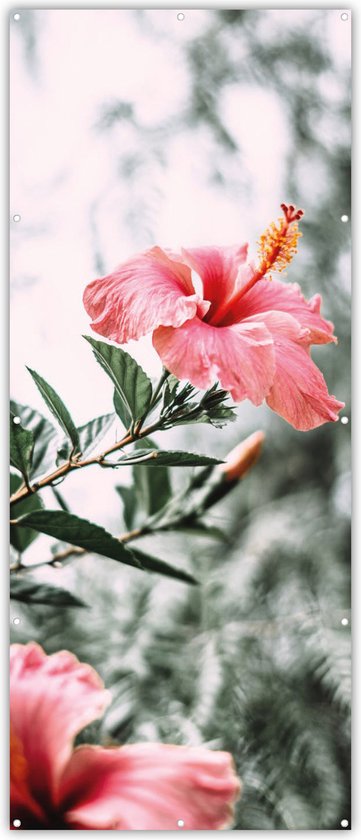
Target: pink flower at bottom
[[143, 787], [238, 327]]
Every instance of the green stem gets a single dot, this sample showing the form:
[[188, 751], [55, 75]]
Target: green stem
[[24, 492]]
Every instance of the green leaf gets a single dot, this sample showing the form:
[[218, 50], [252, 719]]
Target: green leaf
[[170, 390], [72, 529], [20, 538], [21, 446], [131, 383], [60, 499], [57, 407], [129, 500], [214, 409], [93, 538], [122, 410], [152, 487], [180, 408], [173, 383], [44, 454], [90, 435], [198, 528], [218, 417], [31, 591], [153, 564], [171, 458]]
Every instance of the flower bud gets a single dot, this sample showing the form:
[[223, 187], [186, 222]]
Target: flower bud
[[242, 457]]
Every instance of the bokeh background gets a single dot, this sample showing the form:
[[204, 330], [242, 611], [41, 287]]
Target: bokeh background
[[132, 128]]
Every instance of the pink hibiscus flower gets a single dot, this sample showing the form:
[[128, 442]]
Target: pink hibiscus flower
[[234, 325], [143, 787]]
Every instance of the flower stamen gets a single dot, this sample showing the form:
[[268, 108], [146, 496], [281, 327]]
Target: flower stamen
[[277, 247]]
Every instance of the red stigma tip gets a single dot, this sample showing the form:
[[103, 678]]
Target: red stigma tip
[[290, 213]]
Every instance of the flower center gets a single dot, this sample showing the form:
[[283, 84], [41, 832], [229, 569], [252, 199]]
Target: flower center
[[18, 762], [277, 247], [31, 813]]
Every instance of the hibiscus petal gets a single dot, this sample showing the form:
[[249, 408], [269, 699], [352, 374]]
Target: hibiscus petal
[[146, 291], [285, 297], [240, 357], [220, 270], [22, 803], [149, 787], [52, 699], [299, 392]]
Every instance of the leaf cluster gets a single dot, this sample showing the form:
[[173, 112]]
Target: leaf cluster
[[41, 459]]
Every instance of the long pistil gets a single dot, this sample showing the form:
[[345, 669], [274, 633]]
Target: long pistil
[[277, 247]]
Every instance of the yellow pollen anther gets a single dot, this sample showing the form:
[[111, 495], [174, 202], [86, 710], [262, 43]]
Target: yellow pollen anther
[[278, 245]]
